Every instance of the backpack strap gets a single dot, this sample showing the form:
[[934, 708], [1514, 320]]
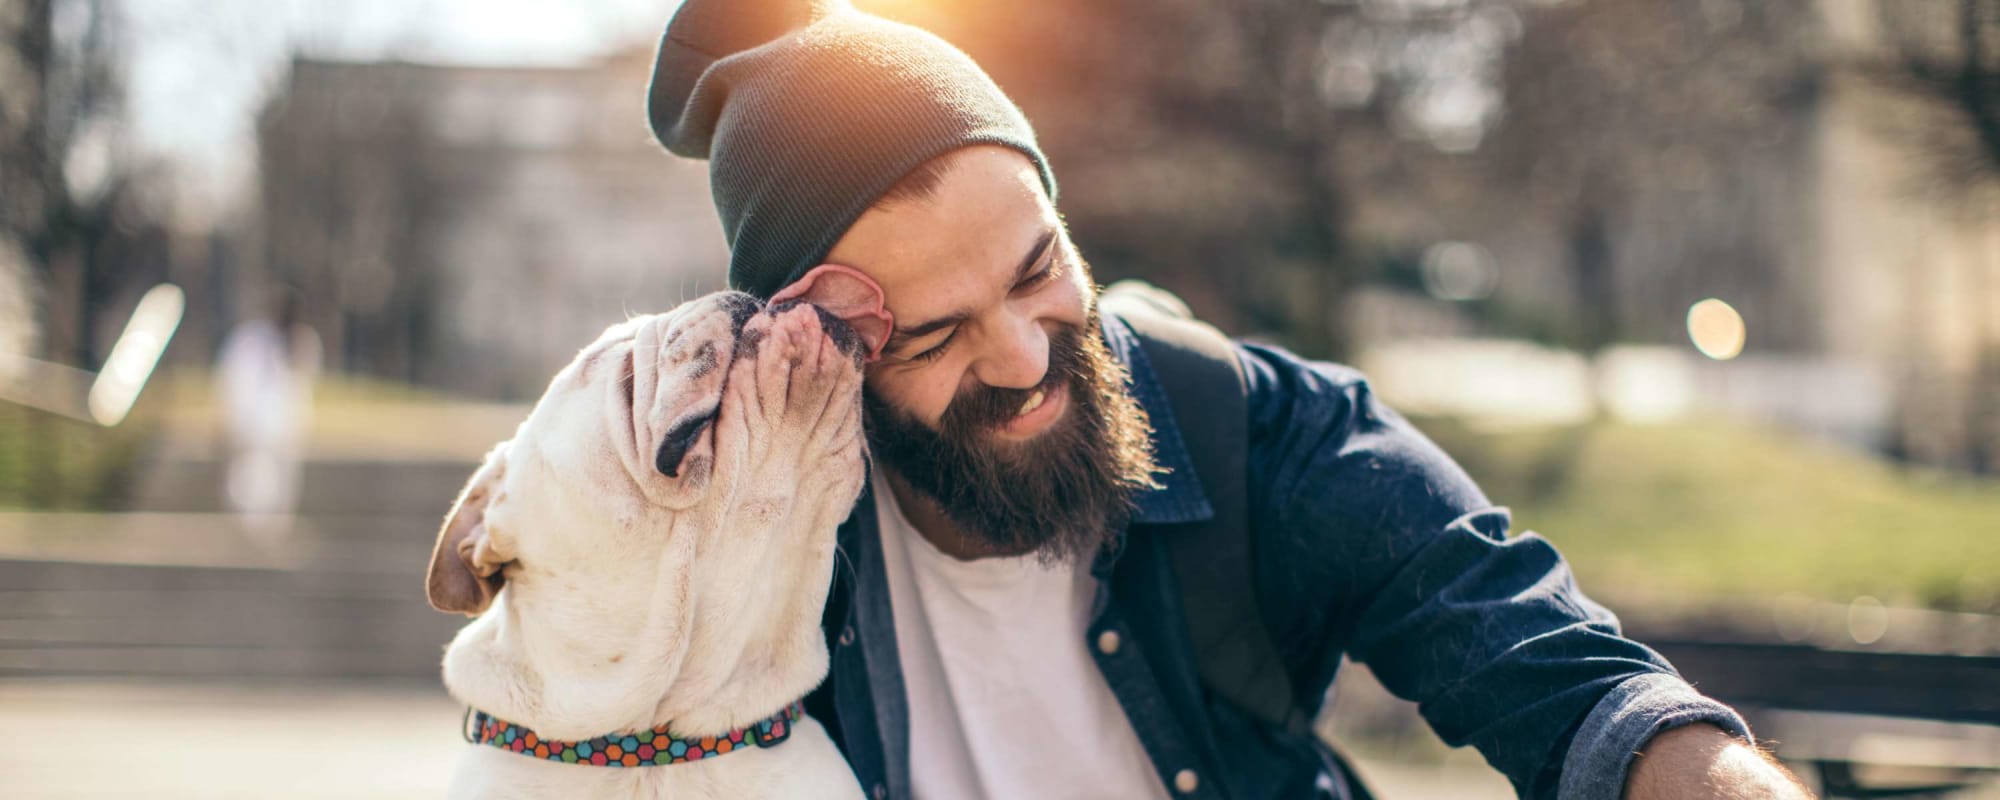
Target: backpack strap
[[1212, 560]]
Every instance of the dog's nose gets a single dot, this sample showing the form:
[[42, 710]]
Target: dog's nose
[[835, 328], [740, 306], [679, 440]]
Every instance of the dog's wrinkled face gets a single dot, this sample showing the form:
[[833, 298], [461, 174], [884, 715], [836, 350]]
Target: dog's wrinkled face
[[705, 434]]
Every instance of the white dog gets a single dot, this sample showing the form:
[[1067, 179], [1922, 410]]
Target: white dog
[[648, 558]]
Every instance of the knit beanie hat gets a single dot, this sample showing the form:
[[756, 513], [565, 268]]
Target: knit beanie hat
[[808, 110]]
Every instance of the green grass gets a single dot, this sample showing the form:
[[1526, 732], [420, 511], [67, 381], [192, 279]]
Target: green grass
[[1698, 513], [54, 462]]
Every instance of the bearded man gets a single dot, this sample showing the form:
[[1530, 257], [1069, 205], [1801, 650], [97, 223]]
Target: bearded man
[[1007, 621]]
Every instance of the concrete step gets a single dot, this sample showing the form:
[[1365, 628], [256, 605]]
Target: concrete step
[[196, 596], [72, 618], [373, 542]]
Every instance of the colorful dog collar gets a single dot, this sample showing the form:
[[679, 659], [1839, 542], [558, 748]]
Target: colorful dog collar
[[643, 749]]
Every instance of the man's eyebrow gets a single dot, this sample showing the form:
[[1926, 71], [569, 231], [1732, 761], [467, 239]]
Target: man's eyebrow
[[1035, 254], [904, 334]]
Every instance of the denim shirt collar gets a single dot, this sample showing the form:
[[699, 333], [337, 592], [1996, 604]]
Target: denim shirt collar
[[1179, 498]]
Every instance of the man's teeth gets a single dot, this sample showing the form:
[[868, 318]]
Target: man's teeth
[[1034, 402]]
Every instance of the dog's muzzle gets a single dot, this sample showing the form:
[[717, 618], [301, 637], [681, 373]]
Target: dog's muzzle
[[687, 431]]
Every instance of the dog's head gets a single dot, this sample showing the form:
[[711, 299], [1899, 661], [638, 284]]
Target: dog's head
[[725, 428]]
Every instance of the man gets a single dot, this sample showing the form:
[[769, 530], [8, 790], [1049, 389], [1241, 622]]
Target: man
[[1006, 624]]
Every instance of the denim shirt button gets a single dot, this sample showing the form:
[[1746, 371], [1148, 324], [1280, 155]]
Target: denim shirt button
[[1107, 642], [1185, 781], [879, 792], [847, 636]]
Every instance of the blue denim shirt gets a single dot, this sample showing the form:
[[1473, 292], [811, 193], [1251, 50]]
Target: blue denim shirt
[[1371, 544]]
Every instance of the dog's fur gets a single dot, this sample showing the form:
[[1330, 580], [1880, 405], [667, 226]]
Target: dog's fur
[[632, 565]]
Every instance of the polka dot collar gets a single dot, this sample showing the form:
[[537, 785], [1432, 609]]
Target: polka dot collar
[[642, 749]]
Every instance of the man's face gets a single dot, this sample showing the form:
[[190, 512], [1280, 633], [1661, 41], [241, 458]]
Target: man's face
[[995, 395], [977, 277]]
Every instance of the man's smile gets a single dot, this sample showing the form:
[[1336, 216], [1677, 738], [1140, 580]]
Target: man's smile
[[1037, 413]]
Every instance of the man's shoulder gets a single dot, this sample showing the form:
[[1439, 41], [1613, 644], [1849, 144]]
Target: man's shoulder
[[1281, 392], [1274, 376]]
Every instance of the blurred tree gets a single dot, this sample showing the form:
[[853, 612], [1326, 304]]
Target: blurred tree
[[69, 195], [1612, 100], [354, 197], [28, 186], [76, 243], [1941, 60], [1945, 56]]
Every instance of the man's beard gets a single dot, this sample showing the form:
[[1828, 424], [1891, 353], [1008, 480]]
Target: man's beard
[[1058, 495]]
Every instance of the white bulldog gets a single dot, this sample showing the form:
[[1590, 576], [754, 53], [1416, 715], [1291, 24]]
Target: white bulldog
[[648, 557]]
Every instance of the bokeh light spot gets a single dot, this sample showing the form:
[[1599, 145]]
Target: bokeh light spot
[[1867, 620], [1459, 271], [1716, 329]]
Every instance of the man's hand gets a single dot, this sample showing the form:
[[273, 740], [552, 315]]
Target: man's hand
[[1702, 761]]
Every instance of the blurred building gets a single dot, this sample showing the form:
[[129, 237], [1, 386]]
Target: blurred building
[[1657, 154], [469, 228]]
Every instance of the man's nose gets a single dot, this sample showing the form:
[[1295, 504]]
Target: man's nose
[[1017, 358]]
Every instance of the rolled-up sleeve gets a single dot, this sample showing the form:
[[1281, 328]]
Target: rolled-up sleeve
[[1388, 553], [1630, 715]]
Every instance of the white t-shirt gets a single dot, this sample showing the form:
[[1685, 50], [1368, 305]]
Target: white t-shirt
[[1005, 699]]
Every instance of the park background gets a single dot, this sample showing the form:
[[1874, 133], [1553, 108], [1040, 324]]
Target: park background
[[1707, 291]]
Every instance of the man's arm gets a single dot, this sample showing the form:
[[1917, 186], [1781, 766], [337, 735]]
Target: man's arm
[[1703, 761], [1375, 545]]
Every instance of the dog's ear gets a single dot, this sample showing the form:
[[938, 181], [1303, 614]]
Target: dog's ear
[[465, 571]]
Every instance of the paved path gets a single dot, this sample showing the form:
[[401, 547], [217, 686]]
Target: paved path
[[104, 740], [115, 739], [94, 738]]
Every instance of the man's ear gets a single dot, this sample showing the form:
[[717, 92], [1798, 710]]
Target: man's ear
[[850, 295], [466, 563]]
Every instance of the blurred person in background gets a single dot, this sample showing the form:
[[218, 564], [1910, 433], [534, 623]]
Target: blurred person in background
[[1007, 620], [264, 383]]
